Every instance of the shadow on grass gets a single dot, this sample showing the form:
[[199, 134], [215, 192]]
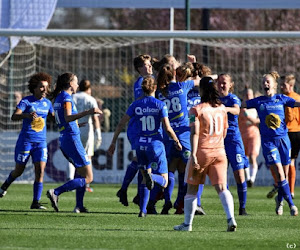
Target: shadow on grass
[[28, 212]]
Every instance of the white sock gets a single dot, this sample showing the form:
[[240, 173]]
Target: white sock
[[254, 172], [247, 173], [71, 171], [227, 202], [190, 205]]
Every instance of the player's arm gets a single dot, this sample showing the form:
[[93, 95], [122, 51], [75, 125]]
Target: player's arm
[[68, 112], [125, 119], [194, 138], [167, 127], [235, 110], [19, 115]]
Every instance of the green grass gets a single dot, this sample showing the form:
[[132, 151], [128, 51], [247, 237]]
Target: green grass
[[109, 225]]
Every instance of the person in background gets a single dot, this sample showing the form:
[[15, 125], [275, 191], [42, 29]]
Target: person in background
[[292, 119], [208, 122], [33, 110], [248, 121], [66, 116], [150, 114], [276, 144], [233, 142], [88, 125], [142, 64]]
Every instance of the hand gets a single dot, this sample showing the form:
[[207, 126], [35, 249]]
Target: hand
[[111, 149], [33, 115], [95, 111], [178, 145], [191, 58]]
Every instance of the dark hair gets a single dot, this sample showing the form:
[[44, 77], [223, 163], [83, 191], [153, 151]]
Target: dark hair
[[84, 85], [62, 83], [164, 77], [148, 85], [201, 70], [209, 92], [157, 64], [37, 78], [139, 61]]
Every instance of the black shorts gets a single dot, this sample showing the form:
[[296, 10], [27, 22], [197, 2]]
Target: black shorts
[[295, 143]]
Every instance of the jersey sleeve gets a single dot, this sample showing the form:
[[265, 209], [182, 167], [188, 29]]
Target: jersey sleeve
[[251, 103], [51, 110], [22, 105], [290, 102], [164, 111], [188, 85], [130, 110], [236, 100]]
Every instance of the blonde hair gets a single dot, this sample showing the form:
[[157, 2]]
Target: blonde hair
[[290, 79]]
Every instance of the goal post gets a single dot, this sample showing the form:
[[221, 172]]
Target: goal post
[[105, 57]]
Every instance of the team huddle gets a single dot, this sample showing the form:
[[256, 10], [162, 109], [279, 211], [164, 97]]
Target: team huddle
[[184, 119]]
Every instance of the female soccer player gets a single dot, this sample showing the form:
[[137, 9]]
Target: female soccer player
[[208, 122], [276, 145], [292, 118], [174, 94], [233, 142], [33, 110], [248, 121], [66, 116], [142, 65], [148, 114]]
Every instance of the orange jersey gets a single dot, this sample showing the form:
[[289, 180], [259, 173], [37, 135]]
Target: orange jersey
[[212, 125], [292, 115]]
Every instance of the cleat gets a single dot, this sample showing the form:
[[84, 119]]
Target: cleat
[[199, 211], [279, 206], [37, 205], [141, 214], [293, 195], [123, 197], [250, 184], [53, 198], [2, 192], [136, 199], [89, 189], [79, 210], [272, 192], [149, 181], [242, 211], [231, 225], [151, 208], [294, 211], [166, 207], [183, 227]]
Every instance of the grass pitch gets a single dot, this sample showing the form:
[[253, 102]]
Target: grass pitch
[[110, 225]]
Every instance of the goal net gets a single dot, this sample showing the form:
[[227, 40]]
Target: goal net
[[107, 61]]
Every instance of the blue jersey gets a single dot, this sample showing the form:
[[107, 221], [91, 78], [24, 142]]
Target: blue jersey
[[34, 130], [229, 101], [271, 114], [147, 113], [176, 101], [193, 98], [138, 91], [65, 128]]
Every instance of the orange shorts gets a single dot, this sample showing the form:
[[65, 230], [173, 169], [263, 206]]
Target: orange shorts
[[214, 163], [252, 143]]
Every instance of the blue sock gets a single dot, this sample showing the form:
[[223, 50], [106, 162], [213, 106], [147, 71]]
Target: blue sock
[[130, 174], [79, 193], [159, 179], [154, 192], [199, 194], [285, 189], [169, 189], [70, 185], [144, 196], [37, 190], [7, 182], [242, 194]]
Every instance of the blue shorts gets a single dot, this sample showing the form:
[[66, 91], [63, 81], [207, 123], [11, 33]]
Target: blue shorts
[[132, 139], [72, 148], [235, 152], [276, 150], [172, 152], [37, 150], [152, 155]]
